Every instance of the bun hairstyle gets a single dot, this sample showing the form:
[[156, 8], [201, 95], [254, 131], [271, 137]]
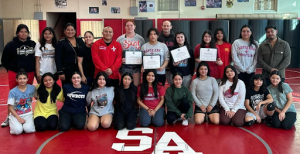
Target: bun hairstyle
[[280, 83]]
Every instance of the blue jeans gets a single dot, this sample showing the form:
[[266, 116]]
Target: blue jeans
[[157, 120]]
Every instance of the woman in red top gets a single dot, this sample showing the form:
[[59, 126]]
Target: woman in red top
[[208, 42], [225, 49]]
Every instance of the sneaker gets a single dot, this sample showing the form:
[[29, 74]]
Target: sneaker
[[176, 120], [5, 123], [185, 122]]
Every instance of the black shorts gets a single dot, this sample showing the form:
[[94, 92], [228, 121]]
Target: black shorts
[[215, 109]]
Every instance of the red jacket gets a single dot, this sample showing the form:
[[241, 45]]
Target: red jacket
[[107, 57]]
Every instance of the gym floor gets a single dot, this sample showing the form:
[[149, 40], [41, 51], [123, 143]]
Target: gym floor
[[205, 138]]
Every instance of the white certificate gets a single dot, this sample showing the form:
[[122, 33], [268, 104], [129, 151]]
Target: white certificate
[[151, 62], [180, 54], [208, 54], [133, 57]]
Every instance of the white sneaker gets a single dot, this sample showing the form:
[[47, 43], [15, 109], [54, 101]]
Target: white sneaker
[[176, 120], [185, 122], [5, 123]]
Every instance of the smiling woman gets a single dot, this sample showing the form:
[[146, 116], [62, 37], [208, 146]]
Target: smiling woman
[[66, 53]]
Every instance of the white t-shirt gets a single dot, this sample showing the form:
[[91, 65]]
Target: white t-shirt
[[47, 61]]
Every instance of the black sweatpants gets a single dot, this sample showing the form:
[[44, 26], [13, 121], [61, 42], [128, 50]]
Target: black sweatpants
[[67, 120], [183, 107], [42, 124], [287, 123], [125, 119]]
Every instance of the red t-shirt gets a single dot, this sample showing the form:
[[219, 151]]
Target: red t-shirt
[[150, 100], [214, 68], [225, 55]]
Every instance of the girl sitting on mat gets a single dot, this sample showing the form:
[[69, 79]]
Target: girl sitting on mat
[[285, 111]]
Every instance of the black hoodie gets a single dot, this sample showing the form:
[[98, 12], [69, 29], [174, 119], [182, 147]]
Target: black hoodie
[[18, 54], [168, 40]]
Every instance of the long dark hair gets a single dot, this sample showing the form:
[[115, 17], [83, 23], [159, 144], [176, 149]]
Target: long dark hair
[[211, 43], [145, 86], [203, 63], [95, 83], [120, 90], [223, 32], [263, 87], [43, 93], [252, 41], [186, 43], [43, 40], [235, 78], [280, 83]]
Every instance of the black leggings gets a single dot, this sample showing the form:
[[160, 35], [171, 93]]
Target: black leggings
[[68, 120], [183, 107], [286, 123], [42, 124], [125, 119]]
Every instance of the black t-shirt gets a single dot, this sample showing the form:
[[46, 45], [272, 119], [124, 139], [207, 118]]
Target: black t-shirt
[[255, 97], [87, 63]]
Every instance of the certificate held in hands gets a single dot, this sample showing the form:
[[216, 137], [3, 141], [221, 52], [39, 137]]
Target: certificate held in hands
[[180, 54], [133, 57], [208, 54], [151, 62]]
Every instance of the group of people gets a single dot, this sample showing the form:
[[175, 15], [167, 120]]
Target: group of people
[[96, 80]]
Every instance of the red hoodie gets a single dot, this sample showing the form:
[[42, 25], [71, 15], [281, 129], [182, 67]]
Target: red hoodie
[[107, 57]]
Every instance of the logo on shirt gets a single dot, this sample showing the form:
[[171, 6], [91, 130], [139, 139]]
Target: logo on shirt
[[101, 100], [227, 49], [102, 47], [74, 95], [25, 50], [128, 44], [23, 106], [228, 94], [113, 48]]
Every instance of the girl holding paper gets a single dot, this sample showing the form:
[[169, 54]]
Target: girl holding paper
[[244, 54], [131, 41], [208, 42], [153, 47], [185, 67]]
